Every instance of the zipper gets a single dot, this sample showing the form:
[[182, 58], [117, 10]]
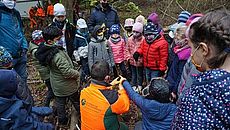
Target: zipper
[[147, 54]]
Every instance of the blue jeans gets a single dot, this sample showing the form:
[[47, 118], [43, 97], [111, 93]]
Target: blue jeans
[[19, 65], [151, 74], [137, 75]]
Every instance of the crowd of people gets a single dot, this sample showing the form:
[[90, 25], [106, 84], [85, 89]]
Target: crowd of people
[[178, 81]]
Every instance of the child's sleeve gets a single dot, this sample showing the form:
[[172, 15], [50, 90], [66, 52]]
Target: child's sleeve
[[163, 56], [111, 55], [127, 52], [90, 55], [65, 67]]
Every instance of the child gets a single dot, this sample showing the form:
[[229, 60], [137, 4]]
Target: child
[[100, 105], [99, 49], [156, 107], [6, 62], [117, 45], [43, 71], [181, 52], [205, 105], [154, 50], [128, 28], [81, 42], [63, 77], [134, 43], [16, 113], [140, 19]]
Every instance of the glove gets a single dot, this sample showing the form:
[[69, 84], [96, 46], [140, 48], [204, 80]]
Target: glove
[[136, 56]]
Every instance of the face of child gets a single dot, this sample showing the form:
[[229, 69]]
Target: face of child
[[55, 41], [115, 36]]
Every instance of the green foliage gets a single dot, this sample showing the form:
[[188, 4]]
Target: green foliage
[[127, 7]]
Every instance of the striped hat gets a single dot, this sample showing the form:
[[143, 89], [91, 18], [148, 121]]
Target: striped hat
[[183, 17]]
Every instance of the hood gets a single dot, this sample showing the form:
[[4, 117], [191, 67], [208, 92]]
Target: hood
[[161, 111], [8, 83]]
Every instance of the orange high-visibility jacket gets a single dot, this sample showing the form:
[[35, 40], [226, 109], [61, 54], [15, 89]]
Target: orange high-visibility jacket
[[50, 10], [99, 107], [40, 12]]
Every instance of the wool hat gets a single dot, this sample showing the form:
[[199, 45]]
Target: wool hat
[[138, 27], [81, 23], [129, 22], [183, 17], [151, 28], [59, 10], [115, 29], [192, 17], [153, 17], [193, 21], [37, 34], [5, 58], [140, 19]]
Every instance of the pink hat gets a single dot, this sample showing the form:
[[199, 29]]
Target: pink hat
[[153, 17], [140, 19], [193, 21], [138, 27], [192, 17], [129, 22]]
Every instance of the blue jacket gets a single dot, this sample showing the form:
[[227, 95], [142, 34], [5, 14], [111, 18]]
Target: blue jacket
[[80, 40], [174, 73], [11, 33], [98, 17], [17, 114], [9, 78], [155, 115], [206, 104]]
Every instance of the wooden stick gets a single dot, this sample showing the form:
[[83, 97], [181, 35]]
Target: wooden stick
[[168, 15], [164, 13], [179, 5]]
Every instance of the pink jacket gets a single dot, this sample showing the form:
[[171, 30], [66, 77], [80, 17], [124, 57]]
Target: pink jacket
[[118, 50], [132, 46]]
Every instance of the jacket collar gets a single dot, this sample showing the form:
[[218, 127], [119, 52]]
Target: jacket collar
[[100, 84], [98, 7]]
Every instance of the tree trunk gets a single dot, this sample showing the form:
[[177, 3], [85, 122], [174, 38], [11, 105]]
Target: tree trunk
[[69, 9]]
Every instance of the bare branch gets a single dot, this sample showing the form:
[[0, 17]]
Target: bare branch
[[168, 15], [179, 5], [164, 13]]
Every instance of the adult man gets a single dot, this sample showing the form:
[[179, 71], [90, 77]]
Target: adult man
[[99, 105], [12, 36], [103, 13]]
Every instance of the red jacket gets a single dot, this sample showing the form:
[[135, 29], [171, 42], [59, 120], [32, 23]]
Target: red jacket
[[155, 55]]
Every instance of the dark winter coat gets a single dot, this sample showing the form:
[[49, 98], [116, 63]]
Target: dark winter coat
[[98, 17]]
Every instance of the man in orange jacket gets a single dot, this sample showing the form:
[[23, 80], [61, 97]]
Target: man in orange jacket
[[50, 10], [41, 16], [99, 104]]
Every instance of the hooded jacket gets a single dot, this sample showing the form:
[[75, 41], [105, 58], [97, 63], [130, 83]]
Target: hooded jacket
[[155, 55], [155, 115], [98, 17], [99, 51], [205, 105], [16, 114], [11, 31]]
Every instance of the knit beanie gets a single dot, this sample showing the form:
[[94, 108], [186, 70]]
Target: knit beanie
[[5, 58], [151, 28], [192, 17], [59, 9], [140, 19], [153, 17], [37, 34], [115, 29], [183, 17], [129, 22], [138, 27]]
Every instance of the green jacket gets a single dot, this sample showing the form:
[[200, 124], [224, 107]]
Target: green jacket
[[43, 71], [63, 77]]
